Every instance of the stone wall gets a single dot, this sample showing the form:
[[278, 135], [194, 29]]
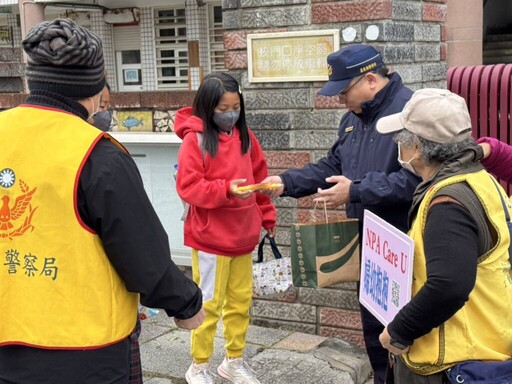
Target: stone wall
[[332, 312], [11, 70], [296, 126]]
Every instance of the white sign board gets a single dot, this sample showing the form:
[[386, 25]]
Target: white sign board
[[386, 268]]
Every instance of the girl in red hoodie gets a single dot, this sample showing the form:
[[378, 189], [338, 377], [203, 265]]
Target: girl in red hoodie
[[218, 154]]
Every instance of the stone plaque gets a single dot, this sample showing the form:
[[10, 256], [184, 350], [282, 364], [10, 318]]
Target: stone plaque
[[290, 56]]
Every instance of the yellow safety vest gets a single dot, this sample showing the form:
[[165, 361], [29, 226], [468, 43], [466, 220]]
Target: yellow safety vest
[[58, 288], [481, 329]]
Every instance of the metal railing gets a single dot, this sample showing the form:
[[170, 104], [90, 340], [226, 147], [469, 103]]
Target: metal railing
[[487, 90]]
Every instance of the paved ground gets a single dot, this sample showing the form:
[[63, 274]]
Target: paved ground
[[276, 356]]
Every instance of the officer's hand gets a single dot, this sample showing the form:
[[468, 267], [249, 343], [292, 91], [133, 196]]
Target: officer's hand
[[273, 192], [338, 194]]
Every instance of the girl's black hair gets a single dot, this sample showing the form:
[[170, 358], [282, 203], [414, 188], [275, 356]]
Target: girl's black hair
[[206, 100]]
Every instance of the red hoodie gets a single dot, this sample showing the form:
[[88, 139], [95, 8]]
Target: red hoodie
[[218, 222]]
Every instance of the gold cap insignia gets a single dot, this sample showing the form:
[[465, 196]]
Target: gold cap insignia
[[367, 68]]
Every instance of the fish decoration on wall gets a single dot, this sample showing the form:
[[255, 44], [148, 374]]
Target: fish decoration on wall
[[135, 121]]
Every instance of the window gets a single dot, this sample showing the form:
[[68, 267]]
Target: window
[[6, 36], [128, 58], [132, 74], [216, 38], [171, 48]]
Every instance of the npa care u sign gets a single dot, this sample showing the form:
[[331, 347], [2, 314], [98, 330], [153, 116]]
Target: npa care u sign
[[386, 268], [290, 56]]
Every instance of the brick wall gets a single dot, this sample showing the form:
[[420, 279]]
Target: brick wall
[[296, 126]]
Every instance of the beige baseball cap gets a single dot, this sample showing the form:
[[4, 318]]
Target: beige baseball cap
[[436, 115]]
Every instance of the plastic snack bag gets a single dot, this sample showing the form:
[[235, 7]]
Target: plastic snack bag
[[145, 312]]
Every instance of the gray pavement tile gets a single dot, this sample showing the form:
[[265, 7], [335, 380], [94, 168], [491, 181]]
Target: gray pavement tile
[[158, 380], [285, 367], [152, 332], [265, 336], [169, 354], [300, 342], [259, 335]]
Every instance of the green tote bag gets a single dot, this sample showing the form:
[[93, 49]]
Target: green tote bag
[[325, 254]]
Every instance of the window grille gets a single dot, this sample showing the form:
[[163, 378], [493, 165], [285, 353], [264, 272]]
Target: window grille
[[171, 48], [216, 38]]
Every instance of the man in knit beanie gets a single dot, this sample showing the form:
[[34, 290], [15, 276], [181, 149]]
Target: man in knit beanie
[[82, 241], [65, 59]]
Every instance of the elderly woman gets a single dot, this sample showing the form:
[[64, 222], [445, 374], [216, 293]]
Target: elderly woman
[[462, 285]]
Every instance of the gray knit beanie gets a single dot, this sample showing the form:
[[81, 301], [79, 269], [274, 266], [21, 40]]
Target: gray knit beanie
[[64, 58]]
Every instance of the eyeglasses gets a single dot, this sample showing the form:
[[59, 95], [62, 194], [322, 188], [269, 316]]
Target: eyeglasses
[[343, 92]]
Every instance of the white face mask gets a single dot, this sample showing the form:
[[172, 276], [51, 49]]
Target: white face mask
[[94, 109], [406, 164]]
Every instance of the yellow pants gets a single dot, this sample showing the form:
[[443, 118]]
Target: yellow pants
[[226, 283]]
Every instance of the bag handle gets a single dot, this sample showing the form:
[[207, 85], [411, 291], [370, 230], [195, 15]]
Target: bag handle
[[313, 216], [273, 245]]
